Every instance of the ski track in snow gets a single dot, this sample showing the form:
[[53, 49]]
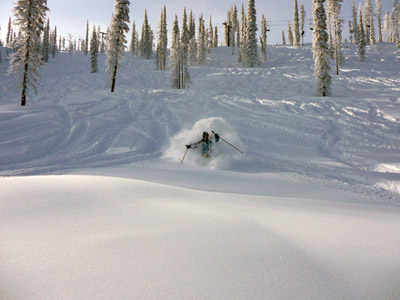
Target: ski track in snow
[[349, 141]]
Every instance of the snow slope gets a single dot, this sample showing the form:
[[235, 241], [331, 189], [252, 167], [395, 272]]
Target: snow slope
[[309, 211]]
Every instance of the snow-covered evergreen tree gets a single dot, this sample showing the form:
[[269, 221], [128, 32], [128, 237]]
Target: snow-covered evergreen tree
[[192, 51], [210, 35], [252, 58], [185, 39], [234, 28], [8, 36], [133, 44], [361, 35], [283, 38], [368, 12], [335, 7], [394, 19], [161, 51], [378, 9], [86, 48], [330, 11], [164, 40], [215, 37], [302, 22], [30, 16], [320, 49], [46, 42], [53, 42], [146, 39], [290, 34], [94, 49], [354, 21], [228, 28], [116, 38], [192, 26], [243, 37], [176, 56], [372, 38], [263, 38], [296, 25], [201, 47], [386, 26]]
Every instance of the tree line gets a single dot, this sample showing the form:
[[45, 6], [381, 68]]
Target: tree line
[[31, 46]]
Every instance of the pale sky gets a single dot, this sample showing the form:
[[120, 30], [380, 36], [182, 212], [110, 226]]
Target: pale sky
[[70, 16]]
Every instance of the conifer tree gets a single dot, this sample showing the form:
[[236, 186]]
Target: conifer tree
[[388, 27], [320, 49], [164, 40], [117, 39], [290, 34], [395, 30], [296, 25], [53, 44], [252, 58], [215, 37], [192, 51], [243, 37], [146, 39], [379, 18], [283, 38], [228, 28], [201, 47], [30, 16], [133, 44], [210, 35], [302, 22], [94, 49], [87, 38], [372, 38], [361, 35], [175, 56], [9, 36], [368, 11], [160, 51], [46, 42], [191, 26], [185, 39], [335, 8], [263, 38], [354, 22], [234, 28]]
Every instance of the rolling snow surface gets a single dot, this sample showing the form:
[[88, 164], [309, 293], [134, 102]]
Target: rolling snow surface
[[95, 204]]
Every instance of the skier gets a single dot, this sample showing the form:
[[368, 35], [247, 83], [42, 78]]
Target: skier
[[205, 144]]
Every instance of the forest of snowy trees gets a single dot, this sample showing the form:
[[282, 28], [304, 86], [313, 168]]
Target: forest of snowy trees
[[32, 39]]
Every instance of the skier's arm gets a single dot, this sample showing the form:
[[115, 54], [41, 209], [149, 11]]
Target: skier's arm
[[216, 136], [194, 145]]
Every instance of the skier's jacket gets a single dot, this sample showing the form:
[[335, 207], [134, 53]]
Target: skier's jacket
[[205, 144]]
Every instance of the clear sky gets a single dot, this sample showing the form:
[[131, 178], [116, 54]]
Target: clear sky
[[70, 16]]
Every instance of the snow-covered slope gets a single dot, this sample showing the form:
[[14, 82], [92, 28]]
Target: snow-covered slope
[[350, 140], [309, 211]]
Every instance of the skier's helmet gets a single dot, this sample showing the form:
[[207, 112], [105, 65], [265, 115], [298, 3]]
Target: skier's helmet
[[205, 135]]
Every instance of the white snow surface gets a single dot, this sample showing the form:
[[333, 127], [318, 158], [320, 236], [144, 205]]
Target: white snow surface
[[95, 204]]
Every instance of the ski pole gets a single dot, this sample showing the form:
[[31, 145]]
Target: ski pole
[[184, 155], [228, 143]]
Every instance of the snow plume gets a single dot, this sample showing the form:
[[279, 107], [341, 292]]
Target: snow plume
[[223, 154]]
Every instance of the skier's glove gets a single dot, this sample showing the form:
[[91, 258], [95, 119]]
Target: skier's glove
[[216, 136], [188, 146]]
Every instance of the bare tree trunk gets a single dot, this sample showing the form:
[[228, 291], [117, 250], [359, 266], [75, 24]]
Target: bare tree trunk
[[115, 70], [113, 78], [25, 74]]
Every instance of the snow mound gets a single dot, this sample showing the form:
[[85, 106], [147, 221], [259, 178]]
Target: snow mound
[[223, 154]]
